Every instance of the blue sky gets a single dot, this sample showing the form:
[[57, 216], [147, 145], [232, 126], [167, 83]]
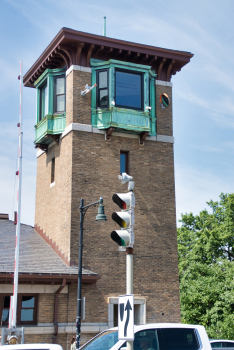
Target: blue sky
[[203, 103]]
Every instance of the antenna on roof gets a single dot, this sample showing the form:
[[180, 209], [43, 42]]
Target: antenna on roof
[[104, 30]]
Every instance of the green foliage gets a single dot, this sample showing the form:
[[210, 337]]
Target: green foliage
[[206, 268]]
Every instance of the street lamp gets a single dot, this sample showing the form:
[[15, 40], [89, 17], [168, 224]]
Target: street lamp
[[100, 217]]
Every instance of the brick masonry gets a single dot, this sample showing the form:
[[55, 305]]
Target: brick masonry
[[87, 166]]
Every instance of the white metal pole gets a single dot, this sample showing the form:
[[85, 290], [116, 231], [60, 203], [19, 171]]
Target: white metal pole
[[129, 282], [19, 172]]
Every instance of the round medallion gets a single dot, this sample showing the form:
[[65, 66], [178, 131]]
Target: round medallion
[[164, 99]]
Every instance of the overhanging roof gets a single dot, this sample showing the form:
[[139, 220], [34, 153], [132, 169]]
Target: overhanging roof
[[38, 262], [71, 47]]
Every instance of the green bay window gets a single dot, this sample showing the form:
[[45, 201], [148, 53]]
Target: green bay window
[[51, 105], [124, 97]]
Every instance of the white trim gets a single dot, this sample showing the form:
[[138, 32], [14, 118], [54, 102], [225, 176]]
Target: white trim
[[89, 128], [80, 68], [163, 83], [141, 310], [52, 184], [39, 153], [137, 300], [41, 289]]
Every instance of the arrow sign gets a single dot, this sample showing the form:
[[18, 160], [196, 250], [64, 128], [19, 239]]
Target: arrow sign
[[126, 317], [127, 308]]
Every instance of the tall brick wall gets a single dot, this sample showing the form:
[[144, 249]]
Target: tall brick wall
[[53, 204], [155, 249], [164, 115]]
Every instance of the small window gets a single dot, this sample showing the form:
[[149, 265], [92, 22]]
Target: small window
[[27, 309], [5, 309], [128, 90], [123, 162], [52, 169], [43, 102], [102, 90], [59, 94]]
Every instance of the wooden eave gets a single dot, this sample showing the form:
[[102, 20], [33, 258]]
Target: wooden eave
[[8, 278], [71, 47]]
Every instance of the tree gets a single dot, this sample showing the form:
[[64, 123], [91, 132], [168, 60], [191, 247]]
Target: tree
[[206, 267]]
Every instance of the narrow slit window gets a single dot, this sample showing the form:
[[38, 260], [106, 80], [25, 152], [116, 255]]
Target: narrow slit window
[[123, 162], [53, 170]]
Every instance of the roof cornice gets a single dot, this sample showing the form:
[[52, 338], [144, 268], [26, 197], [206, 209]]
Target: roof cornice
[[71, 47]]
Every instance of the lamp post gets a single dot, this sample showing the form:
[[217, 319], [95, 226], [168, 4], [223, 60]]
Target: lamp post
[[100, 217]]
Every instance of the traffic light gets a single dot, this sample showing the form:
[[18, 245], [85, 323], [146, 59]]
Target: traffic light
[[124, 218]]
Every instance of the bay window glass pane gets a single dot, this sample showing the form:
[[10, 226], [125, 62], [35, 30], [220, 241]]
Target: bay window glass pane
[[128, 89], [60, 101], [28, 301], [102, 80], [45, 101], [60, 86], [103, 97], [26, 314]]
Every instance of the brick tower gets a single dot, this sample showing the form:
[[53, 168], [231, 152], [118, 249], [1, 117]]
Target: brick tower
[[84, 143]]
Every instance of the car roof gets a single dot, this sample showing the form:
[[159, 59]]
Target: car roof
[[31, 347], [218, 340], [160, 325]]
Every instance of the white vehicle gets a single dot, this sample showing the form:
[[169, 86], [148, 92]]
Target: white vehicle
[[31, 347], [154, 336], [221, 343]]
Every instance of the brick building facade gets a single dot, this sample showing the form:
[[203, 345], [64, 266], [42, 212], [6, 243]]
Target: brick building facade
[[79, 147]]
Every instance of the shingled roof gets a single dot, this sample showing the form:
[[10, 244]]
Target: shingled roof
[[37, 260]]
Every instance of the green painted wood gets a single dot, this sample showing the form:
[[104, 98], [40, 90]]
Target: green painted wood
[[152, 98], [93, 97], [123, 119], [50, 85]]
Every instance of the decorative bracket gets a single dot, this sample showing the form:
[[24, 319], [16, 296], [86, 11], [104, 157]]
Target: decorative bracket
[[109, 132], [54, 138], [143, 137], [42, 147]]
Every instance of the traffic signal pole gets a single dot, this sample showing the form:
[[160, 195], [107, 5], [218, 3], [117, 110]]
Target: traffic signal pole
[[125, 236], [129, 281]]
